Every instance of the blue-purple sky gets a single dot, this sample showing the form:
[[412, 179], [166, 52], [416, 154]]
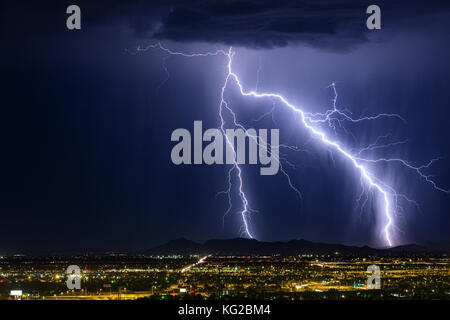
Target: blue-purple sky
[[87, 122]]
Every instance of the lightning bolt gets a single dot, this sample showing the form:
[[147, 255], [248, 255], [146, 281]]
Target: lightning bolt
[[334, 118]]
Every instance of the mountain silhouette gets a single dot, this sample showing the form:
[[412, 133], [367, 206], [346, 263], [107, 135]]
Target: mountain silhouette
[[242, 246], [179, 246]]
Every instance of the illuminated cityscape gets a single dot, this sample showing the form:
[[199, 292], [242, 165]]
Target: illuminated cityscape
[[303, 277]]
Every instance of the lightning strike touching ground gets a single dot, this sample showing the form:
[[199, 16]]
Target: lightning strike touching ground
[[312, 122]]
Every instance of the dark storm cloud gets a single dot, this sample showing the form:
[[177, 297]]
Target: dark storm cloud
[[261, 23], [252, 23]]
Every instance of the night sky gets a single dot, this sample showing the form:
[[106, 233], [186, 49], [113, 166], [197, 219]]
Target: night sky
[[86, 120]]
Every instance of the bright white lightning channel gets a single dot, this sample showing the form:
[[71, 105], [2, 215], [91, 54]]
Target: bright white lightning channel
[[311, 122]]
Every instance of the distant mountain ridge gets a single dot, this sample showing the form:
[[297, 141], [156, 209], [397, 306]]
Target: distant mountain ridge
[[242, 246], [179, 246]]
